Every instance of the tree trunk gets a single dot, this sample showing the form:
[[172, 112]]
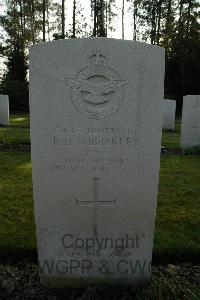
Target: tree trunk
[[21, 34], [95, 19], [24, 16], [153, 22], [180, 15], [48, 28], [63, 19], [32, 13], [122, 19], [74, 20], [21, 17], [188, 17], [168, 24], [169, 7], [158, 21], [134, 20], [44, 20], [101, 19], [106, 19]]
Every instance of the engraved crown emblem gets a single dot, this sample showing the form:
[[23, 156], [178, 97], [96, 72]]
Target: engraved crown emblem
[[98, 58]]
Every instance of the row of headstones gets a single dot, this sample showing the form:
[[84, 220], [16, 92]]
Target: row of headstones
[[190, 128], [190, 125], [4, 110]]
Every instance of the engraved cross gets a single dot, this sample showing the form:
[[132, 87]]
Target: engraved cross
[[96, 203]]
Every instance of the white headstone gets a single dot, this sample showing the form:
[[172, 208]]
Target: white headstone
[[190, 125], [169, 112], [4, 110], [96, 133]]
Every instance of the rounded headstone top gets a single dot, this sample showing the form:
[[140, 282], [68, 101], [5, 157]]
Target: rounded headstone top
[[103, 40]]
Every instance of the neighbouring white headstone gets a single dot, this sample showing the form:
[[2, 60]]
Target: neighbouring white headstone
[[95, 136], [4, 110], [169, 112], [190, 125]]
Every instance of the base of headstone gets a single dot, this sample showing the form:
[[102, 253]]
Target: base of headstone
[[55, 282]]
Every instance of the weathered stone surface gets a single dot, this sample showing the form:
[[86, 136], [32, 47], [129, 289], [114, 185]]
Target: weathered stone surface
[[96, 134], [4, 110], [190, 126], [169, 113]]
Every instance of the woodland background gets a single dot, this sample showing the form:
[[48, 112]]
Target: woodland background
[[172, 24]]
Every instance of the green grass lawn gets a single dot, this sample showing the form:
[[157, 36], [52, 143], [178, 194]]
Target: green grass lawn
[[14, 135], [22, 120], [17, 228], [171, 139], [177, 221], [178, 217], [18, 132]]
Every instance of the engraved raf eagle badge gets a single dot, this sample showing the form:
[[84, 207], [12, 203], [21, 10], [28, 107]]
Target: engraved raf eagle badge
[[97, 91]]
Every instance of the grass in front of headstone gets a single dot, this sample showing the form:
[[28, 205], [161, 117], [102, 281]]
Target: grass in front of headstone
[[14, 135], [18, 131], [178, 219], [22, 120], [170, 138], [177, 232], [17, 230]]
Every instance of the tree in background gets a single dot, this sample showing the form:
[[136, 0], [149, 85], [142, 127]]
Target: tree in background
[[25, 23], [110, 15], [172, 24], [99, 8], [79, 26], [74, 19], [63, 19], [14, 82], [181, 40], [44, 20], [134, 6], [123, 4]]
